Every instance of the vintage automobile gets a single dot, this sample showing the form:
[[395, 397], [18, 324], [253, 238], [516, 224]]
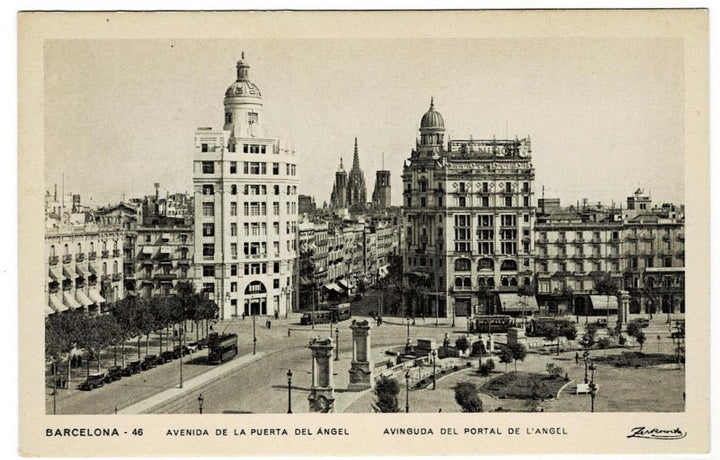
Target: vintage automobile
[[93, 381], [132, 368], [149, 362], [113, 373], [166, 356]]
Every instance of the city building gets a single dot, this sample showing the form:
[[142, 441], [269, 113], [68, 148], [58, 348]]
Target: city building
[[469, 220], [245, 195], [356, 196], [381, 193], [339, 194], [306, 204]]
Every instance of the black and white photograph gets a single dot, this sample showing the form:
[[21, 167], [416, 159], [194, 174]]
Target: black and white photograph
[[355, 225]]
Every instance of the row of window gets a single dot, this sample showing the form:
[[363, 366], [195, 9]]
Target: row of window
[[91, 248], [251, 208], [251, 167], [462, 202], [255, 248], [255, 268], [465, 282], [464, 187]]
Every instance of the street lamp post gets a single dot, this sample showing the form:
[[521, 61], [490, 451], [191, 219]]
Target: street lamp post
[[558, 339], [407, 344], [254, 336], [289, 377], [200, 400], [434, 354], [407, 391], [585, 358], [337, 343], [593, 387]]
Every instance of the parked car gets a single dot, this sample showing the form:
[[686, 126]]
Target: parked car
[[166, 356], [93, 381], [193, 347], [132, 368], [113, 373], [202, 343], [643, 322], [149, 362], [178, 351], [602, 322]]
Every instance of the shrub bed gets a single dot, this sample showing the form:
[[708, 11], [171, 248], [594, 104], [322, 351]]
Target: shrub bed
[[523, 385], [636, 359]]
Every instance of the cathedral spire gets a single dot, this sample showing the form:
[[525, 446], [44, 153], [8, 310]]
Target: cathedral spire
[[356, 158]]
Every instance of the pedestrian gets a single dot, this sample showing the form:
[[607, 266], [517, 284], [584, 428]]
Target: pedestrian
[[276, 314], [243, 316], [577, 358]]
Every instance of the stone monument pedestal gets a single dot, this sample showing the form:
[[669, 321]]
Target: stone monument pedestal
[[322, 394], [361, 366]]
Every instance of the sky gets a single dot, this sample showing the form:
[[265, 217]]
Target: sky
[[605, 115]]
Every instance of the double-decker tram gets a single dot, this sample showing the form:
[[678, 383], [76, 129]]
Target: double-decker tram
[[221, 348]]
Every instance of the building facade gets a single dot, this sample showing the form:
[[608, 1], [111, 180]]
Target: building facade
[[469, 219], [245, 195], [381, 194]]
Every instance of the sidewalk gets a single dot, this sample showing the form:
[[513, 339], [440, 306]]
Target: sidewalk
[[147, 404]]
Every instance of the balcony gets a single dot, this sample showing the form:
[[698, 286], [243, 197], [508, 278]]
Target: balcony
[[53, 289], [615, 241], [53, 260], [92, 281], [105, 254], [79, 257], [561, 240], [67, 259], [542, 241], [105, 278], [116, 253], [92, 255], [165, 276], [596, 240], [116, 277]]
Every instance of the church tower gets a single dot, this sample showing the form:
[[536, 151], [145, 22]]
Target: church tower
[[338, 197], [356, 195]]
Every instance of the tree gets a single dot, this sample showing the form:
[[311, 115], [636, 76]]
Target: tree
[[633, 329], [506, 356], [603, 343], [526, 291], [486, 368], [61, 336], [462, 344], [554, 371], [125, 313], [466, 395], [640, 339], [519, 352], [568, 295], [605, 285], [386, 393]]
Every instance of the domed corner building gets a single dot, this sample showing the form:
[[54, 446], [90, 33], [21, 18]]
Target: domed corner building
[[469, 215], [245, 190]]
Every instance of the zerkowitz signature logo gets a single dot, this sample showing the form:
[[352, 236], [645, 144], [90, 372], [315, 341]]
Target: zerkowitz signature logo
[[671, 434]]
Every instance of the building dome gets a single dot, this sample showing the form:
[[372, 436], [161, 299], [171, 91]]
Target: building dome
[[243, 87], [432, 119]]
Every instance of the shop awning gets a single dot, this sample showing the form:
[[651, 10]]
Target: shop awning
[[81, 297], [516, 303], [82, 271], [96, 297], [69, 272], [94, 269], [166, 250], [57, 305], [305, 281], [70, 302], [55, 273], [345, 284], [604, 302], [334, 287], [48, 311]]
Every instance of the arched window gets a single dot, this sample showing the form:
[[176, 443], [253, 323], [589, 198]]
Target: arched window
[[104, 268], [481, 281], [256, 287], [508, 265], [92, 247], [467, 282], [504, 281], [458, 282], [486, 264], [462, 265], [423, 184], [67, 250], [526, 281], [104, 245], [52, 250], [491, 282], [513, 281], [79, 248], [115, 244], [115, 267]]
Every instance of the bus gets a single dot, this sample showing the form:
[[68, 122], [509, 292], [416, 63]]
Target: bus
[[221, 348], [491, 323], [542, 326]]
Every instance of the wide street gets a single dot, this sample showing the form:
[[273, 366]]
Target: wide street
[[261, 386]]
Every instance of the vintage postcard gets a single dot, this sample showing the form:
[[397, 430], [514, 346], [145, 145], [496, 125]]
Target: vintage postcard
[[364, 233]]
